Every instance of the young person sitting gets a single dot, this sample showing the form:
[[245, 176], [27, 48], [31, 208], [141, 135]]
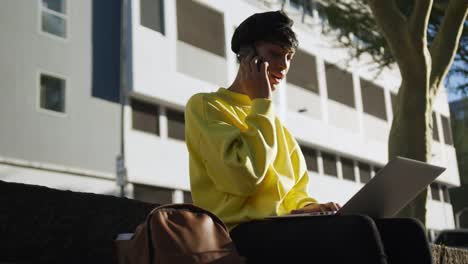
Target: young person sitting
[[245, 166]]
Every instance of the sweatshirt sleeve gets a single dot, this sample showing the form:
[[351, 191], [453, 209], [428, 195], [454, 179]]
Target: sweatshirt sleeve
[[236, 157], [298, 197]]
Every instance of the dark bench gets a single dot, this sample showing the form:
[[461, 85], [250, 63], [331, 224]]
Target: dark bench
[[39, 224], [43, 225]]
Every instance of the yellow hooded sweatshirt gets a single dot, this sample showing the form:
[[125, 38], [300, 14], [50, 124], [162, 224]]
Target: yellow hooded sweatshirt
[[244, 164]]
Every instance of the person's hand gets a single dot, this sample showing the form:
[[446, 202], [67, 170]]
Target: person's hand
[[317, 207], [254, 79]]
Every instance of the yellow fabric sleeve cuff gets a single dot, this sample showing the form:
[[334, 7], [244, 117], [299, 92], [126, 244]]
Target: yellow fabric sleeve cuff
[[306, 202]]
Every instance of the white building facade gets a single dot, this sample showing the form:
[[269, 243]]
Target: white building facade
[[336, 107]]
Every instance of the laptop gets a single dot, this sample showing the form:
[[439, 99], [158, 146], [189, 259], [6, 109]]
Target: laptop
[[392, 188]]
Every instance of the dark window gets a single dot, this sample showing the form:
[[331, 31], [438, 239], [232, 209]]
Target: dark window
[[435, 191], [446, 194], [329, 164], [310, 156], [52, 93], [373, 99], [435, 131], [54, 17], [55, 5], [105, 37], [152, 14], [201, 26], [347, 166], [447, 130], [377, 169], [393, 99], [175, 124], [145, 117], [187, 197], [54, 24], [456, 238], [364, 172], [339, 85], [296, 3], [152, 194], [303, 71]]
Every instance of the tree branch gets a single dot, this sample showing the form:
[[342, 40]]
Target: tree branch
[[393, 26], [444, 46], [440, 6], [420, 18], [388, 17]]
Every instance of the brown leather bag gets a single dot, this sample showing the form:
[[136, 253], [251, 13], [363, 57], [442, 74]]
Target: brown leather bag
[[179, 233]]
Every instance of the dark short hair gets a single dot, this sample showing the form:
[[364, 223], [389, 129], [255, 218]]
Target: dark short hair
[[273, 26]]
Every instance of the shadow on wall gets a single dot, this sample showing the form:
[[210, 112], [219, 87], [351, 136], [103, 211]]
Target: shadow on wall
[[106, 21]]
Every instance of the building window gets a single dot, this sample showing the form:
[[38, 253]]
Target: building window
[[329, 164], [187, 197], [377, 169], [145, 117], [152, 14], [347, 167], [54, 17], [364, 172], [447, 130], [296, 3], [393, 99], [446, 194], [339, 85], [201, 27], [373, 99], [52, 93], [310, 156], [303, 71], [152, 194], [435, 131], [435, 192], [175, 124]]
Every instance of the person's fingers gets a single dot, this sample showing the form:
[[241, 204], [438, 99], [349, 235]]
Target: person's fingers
[[326, 207], [336, 207], [299, 211], [331, 206]]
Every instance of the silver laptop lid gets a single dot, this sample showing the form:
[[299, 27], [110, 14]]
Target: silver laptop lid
[[392, 188]]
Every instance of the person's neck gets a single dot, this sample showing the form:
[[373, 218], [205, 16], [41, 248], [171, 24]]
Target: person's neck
[[237, 86]]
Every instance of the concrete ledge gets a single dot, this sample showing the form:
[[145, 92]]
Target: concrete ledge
[[43, 225]]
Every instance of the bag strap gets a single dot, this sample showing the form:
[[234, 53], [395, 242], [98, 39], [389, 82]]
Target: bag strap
[[189, 207], [150, 237]]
